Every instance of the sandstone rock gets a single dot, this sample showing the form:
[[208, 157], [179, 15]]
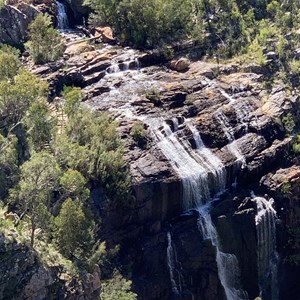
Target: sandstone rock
[[180, 65], [105, 33], [277, 103]]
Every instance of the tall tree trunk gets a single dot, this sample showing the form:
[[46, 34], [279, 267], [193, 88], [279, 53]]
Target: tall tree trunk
[[32, 233]]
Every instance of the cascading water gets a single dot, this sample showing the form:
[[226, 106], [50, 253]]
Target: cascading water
[[193, 167], [267, 255], [171, 256], [228, 268], [62, 17], [211, 161], [194, 176]]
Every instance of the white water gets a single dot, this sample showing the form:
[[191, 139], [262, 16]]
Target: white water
[[267, 254], [228, 268], [194, 167], [211, 161], [62, 17], [228, 131], [241, 108], [171, 256], [194, 176]]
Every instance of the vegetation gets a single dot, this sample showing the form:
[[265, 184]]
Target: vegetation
[[74, 229], [45, 174], [117, 288], [45, 43], [138, 133]]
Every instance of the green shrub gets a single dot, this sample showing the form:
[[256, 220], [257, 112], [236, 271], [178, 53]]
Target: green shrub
[[138, 133], [45, 43], [117, 288]]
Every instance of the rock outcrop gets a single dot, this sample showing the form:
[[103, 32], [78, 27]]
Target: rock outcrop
[[14, 21], [23, 275], [212, 114]]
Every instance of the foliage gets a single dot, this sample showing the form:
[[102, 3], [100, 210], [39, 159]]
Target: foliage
[[288, 123], [74, 229], [73, 97], [107, 259], [138, 133], [16, 97], [73, 185], [296, 144], [143, 22], [8, 164], [285, 187], [153, 95], [39, 177], [45, 43], [94, 135], [117, 288], [40, 125], [9, 62]]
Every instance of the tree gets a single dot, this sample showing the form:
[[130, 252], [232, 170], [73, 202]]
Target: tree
[[39, 177], [117, 288], [73, 184], [73, 97], [9, 62], [74, 229], [17, 95], [40, 125], [144, 22], [45, 43]]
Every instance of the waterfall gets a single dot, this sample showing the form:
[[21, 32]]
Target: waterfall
[[194, 166], [267, 255], [62, 17], [212, 162], [241, 108], [228, 268], [193, 175], [171, 257]]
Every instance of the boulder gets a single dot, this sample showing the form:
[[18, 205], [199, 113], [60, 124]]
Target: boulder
[[105, 33], [14, 21], [180, 65]]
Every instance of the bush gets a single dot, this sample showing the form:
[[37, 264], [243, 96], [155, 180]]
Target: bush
[[45, 43], [9, 62], [117, 288], [144, 22], [138, 133]]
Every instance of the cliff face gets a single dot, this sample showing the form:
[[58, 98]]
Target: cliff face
[[24, 275], [218, 119], [209, 128], [14, 21]]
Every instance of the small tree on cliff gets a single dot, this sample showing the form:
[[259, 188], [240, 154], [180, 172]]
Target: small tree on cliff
[[39, 177], [74, 233], [45, 43]]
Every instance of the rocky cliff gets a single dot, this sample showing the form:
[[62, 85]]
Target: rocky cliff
[[217, 116], [210, 129]]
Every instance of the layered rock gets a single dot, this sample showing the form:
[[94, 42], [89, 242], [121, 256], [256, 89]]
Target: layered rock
[[240, 126]]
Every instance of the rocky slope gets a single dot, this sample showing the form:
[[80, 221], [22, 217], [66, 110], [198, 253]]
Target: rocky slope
[[209, 128], [240, 125]]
